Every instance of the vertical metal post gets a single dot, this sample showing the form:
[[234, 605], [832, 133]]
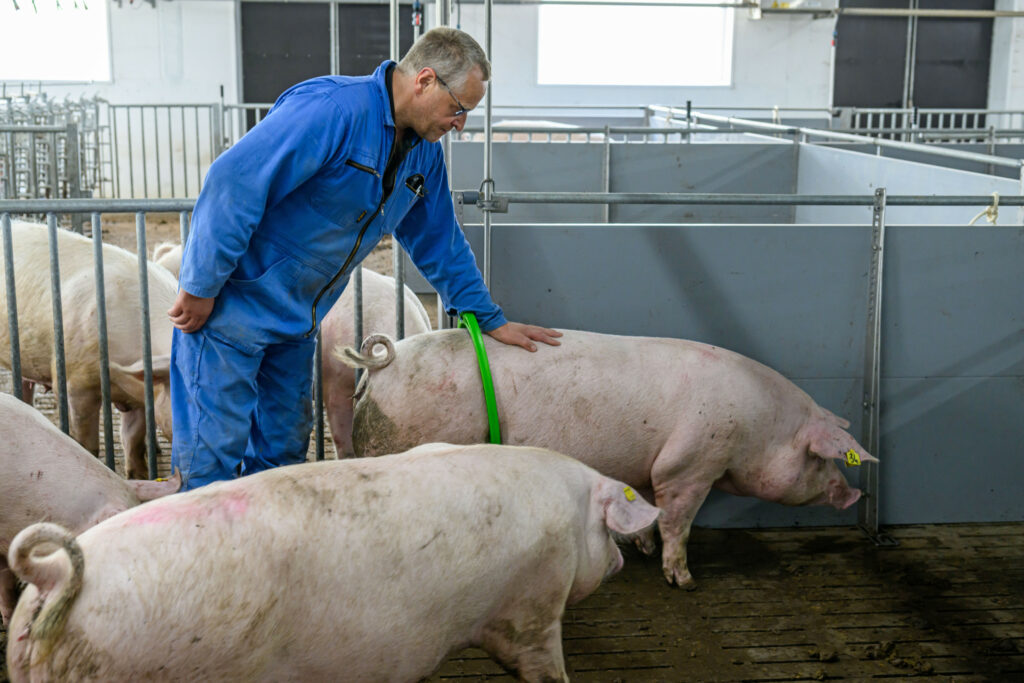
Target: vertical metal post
[[142, 151], [606, 172], [73, 170], [12, 306], [184, 150], [488, 184], [217, 129], [910, 56], [147, 342], [170, 149], [101, 319], [318, 394], [131, 160], [357, 295], [60, 382], [156, 150], [396, 250], [335, 46], [199, 163], [183, 227], [867, 512]]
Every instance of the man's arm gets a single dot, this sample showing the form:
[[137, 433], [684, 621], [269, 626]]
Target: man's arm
[[291, 144], [440, 251]]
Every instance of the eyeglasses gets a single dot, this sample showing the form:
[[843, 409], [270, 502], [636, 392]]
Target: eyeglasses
[[462, 109]]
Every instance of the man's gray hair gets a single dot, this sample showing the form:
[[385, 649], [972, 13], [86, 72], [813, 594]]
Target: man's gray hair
[[451, 53]]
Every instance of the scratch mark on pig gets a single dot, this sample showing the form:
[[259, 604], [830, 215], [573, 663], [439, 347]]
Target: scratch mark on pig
[[434, 538]]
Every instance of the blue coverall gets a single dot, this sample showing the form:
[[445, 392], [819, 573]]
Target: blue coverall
[[283, 218]]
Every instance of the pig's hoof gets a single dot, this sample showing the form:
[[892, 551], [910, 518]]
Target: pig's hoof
[[681, 578], [645, 544]]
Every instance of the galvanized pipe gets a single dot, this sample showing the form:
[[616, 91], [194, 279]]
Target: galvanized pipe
[[318, 395], [398, 262], [183, 227], [488, 182], [60, 382], [867, 512], [736, 199], [147, 342], [862, 139], [12, 305], [101, 321], [357, 295]]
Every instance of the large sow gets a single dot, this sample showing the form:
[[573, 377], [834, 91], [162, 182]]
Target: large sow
[[671, 417], [356, 570]]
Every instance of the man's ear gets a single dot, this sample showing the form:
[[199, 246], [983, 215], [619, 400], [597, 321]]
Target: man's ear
[[423, 79]]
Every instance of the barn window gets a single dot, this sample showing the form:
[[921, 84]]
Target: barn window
[[66, 41], [634, 45]]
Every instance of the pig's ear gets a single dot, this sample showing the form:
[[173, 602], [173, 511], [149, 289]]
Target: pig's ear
[[625, 511], [148, 490], [830, 442]]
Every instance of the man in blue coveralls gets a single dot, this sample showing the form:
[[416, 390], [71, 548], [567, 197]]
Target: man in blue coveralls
[[284, 217]]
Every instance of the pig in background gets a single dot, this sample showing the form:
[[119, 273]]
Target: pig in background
[[361, 570], [46, 476], [81, 336], [337, 332], [670, 417]]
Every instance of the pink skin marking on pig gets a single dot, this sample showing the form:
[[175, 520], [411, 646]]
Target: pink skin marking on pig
[[228, 507]]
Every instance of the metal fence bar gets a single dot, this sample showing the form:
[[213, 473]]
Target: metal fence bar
[[60, 382], [318, 394], [101, 321], [472, 197], [867, 512], [147, 342], [12, 305]]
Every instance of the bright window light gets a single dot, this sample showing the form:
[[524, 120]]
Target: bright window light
[[51, 44], [634, 45]]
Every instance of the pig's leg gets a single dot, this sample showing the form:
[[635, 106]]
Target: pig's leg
[[133, 440], [83, 415], [28, 389], [534, 652], [681, 479], [8, 591]]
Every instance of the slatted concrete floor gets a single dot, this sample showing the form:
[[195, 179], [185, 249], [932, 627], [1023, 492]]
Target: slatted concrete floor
[[805, 604]]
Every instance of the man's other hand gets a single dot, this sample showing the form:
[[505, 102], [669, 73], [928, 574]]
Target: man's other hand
[[189, 313], [521, 334]]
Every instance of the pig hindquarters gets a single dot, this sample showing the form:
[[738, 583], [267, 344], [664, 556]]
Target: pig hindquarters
[[670, 417], [357, 569], [46, 476], [338, 331], [81, 336]]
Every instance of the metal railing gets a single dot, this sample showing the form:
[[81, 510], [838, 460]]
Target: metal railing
[[723, 123]]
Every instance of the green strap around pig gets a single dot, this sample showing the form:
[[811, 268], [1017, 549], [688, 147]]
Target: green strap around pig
[[469, 322]]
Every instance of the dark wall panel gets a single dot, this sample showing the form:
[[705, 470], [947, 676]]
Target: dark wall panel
[[953, 57], [364, 36], [870, 56], [282, 44]]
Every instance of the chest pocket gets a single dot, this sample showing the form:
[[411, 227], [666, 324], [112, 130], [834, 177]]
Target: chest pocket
[[343, 192], [405, 196]]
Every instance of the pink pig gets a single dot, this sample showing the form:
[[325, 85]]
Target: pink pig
[[353, 570], [671, 417], [45, 475]]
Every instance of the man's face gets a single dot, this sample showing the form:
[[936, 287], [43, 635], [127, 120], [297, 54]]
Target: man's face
[[440, 102]]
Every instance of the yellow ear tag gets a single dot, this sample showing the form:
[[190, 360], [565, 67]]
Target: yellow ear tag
[[160, 479], [630, 495], [852, 458]]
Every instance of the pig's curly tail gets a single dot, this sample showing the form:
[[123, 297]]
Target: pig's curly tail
[[367, 359], [57, 575]]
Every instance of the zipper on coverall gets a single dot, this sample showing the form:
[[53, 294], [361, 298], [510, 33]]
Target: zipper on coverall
[[362, 230]]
